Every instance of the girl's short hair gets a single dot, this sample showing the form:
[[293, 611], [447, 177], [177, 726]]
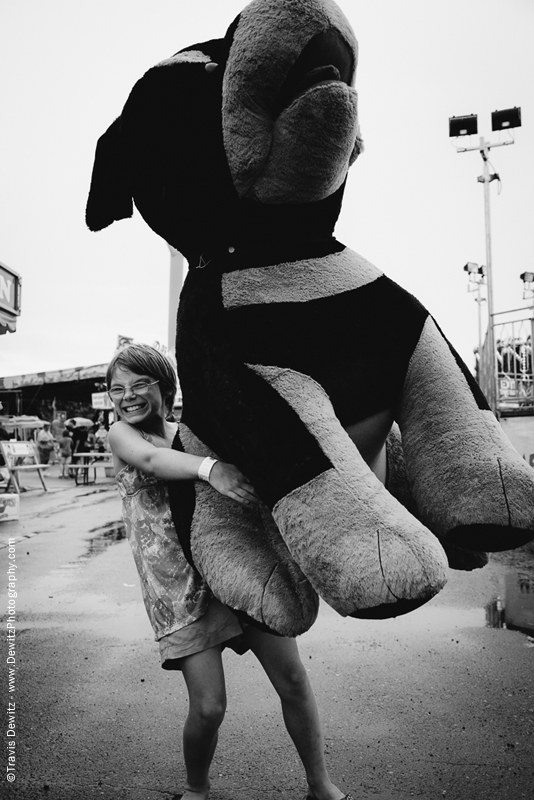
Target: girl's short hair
[[146, 360]]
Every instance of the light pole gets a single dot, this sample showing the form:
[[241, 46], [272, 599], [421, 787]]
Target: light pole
[[467, 126]]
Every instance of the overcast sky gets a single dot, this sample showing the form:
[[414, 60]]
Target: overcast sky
[[413, 205]]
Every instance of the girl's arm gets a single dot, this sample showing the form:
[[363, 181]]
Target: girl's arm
[[128, 446]]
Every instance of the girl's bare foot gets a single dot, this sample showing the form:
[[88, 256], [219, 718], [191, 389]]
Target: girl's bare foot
[[329, 793], [189, 794]]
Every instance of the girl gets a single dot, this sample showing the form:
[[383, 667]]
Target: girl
[[191, 626]]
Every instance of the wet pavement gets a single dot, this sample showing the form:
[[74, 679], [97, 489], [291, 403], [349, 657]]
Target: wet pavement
[[436, 704]]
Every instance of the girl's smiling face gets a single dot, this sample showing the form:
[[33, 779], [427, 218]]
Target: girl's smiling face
[[137, 409]]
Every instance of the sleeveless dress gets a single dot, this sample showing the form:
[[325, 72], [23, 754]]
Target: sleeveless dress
[[173, 593], [185, 616]]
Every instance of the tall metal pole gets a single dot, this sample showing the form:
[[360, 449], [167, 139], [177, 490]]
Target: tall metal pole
[[479, 300], [486, 179]]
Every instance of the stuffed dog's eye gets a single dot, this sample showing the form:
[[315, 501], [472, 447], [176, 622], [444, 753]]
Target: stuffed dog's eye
[[211, 67]]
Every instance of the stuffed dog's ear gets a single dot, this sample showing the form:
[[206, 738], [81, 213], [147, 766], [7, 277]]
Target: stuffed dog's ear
[[110, 198]]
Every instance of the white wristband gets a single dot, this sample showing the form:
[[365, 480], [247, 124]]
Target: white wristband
[[205, 468]]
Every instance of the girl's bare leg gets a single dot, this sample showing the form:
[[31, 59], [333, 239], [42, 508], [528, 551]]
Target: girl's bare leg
[[280, 659], [204, 677]]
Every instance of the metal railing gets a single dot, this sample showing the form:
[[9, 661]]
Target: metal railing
[[507, 379]]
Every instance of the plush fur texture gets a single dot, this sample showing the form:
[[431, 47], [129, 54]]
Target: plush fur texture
[[298, 282], [398, 485], [245, 543], [301, 152], [376, 554], [295, 355], [483, 499]]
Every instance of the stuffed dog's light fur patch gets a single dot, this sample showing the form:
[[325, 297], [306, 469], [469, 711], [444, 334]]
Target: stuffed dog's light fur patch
[[298, 282], [186, 57]]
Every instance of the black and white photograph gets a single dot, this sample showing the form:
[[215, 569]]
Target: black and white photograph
[[267, 399]]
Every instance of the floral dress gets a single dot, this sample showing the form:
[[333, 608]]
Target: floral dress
[[173, 593]]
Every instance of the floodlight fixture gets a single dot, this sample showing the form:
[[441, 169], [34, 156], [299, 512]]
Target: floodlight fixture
[[471, 267], [528, 286], [475, 272], [463, 126], [505, 119]]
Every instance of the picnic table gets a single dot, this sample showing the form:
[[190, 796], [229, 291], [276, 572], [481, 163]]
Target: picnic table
[[87, 462]]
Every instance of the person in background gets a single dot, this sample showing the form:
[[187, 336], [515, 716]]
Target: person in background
[[79, 436], [57, 427], [90, 442], [101, 437], [45, 444], [65, 453], [4, 437]]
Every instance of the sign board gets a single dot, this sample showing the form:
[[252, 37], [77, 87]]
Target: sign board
[[9, 298], [101, 400], [519, 388], [9, 290]]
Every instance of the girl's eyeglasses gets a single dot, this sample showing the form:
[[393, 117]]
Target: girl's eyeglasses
[[141, 387]]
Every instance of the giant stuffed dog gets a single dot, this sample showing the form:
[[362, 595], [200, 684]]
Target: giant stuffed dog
[[236, 152]]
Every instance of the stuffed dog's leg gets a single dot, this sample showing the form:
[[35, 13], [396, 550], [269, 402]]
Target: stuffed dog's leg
[[363, 552], [469, 483], [242, 557], [397, 483]]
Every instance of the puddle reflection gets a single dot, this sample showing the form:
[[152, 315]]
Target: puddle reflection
[[95, 545], [514, 608], [106, 536]]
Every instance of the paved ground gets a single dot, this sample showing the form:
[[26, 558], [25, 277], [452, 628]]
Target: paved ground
[[431, 705]]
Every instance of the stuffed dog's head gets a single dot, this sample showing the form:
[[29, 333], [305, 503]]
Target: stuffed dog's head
[[289, 114], [265, 117]]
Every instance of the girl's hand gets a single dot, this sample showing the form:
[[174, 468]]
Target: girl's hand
[[228, 480]]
